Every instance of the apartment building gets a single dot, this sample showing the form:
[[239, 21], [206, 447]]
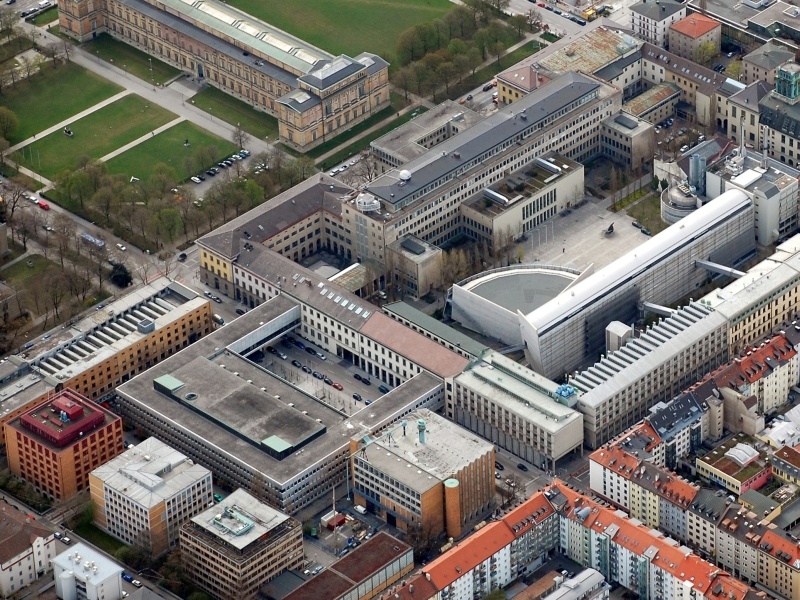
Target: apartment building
[[756, 552], [638, 558], [703, 516], [650, 21], [567, 333], [685, 422], [57, 444], [655, 367], [452, 481], [737, 465], [695, 37], [762, 63], [780, 114], [26, 549], [786, 464], [203, 400], [232, 548], [744, 113], [653, 495], [497, 554], [314, 95], [413, 267], [105, 348], [377, 564], [516, 409], [84, 572], [145, 494], [768, 371]]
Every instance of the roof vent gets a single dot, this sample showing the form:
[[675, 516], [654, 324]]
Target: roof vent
[[190, 396]]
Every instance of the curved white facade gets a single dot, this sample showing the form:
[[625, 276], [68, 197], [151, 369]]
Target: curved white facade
[[489, 302]]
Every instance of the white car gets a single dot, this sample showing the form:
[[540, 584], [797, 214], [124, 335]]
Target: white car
[[121, 247], [196, 179], [137, 583]]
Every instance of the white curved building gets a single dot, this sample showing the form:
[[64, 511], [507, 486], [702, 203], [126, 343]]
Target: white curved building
[[489, 302], [568, 332]]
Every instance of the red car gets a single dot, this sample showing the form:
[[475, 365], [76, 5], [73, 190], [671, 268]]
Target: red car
[[43, 205], [541, 4], [338, 385]]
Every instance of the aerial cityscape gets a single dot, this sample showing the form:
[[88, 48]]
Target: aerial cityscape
[[419, 300]]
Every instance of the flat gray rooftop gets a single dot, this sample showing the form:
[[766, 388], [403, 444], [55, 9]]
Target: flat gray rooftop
[[238, 401], [524, 290]]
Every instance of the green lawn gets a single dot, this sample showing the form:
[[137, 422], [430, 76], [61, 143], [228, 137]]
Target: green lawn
[[167, 147], [54, 95], [347, 26], [46, 17], [133, 61], [96, 536], [18, 273], [232, 110], [95, 135], [648, 212]]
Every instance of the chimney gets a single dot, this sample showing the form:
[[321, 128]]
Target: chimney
[[421, 427]]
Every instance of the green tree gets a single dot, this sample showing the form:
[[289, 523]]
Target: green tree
[[705, 53], [403, 80], [8, 123], [519, 23], [734, 70], [664, 184]]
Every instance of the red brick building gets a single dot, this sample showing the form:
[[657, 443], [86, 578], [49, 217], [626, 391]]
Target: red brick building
[[56, 444]]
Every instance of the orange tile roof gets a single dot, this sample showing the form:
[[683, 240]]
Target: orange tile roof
[[531, 512], [614, 458], [782, 547], [789, 455], [468, 554], [676, 560], [755, 364], [416, 588], [406, 342], [695, 25]]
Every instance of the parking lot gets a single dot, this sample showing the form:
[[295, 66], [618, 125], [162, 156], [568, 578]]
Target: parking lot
[[675, 137], [318, 376]]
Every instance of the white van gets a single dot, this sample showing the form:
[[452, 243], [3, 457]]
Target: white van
[[44, 3], [360, 509], [218, 319]]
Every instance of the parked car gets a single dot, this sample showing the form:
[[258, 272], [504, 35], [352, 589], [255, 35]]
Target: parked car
[[58, 535], [646, 231], [310, 350], [195, 179], [522, 467], [357, 376], [43, 205], [321, 356], [327, 380], [182, 257], [499, 466], [357, 397], [337, 385], [218, 498], [137, 583], [383, 388], [300, 344], [240, 311], [121, 247], [637, 224], [487, 87], [297, 363], [306, 369], [318, 375], [127, 576]]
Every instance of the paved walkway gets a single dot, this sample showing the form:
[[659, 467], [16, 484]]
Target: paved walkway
[[144, 138]]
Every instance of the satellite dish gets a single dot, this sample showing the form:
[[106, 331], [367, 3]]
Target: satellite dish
[[405, 175]]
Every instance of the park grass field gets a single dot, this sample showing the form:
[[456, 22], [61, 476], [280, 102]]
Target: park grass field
[[347, 26], [167, 147], [54, 95], [233, 111], [95, 135], [131, 60]]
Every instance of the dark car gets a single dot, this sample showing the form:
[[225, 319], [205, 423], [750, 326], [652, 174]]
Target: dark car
[[366, 380], [211, 173], [240, 311], [299, 344], [127, 576], [296, 363], [498, 466], [328, 380], [646, 231], [357, 397], [637, 224], [318, 375], [201, 177], [182, 257], [306, 369], [522, 467], [469, 96], [272, 350], [287, 343], [310, 350], [357, 376], [222, 165], [487, 87]]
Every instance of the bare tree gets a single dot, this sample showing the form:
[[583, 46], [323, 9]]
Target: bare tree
[[13, 199], [56, 289], [240, 137]]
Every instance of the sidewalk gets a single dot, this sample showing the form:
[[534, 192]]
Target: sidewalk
[[138, 141]]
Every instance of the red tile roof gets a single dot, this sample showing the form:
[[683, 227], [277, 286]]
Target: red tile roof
[[468, 554], [695, 25], [532, 512], [416, 347], [676, 560], [418, 587]]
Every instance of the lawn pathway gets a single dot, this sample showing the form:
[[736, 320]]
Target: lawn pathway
[[144, 138], [69, 121]]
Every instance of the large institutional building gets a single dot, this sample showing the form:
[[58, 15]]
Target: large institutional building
[[234, 547], [57, 444], [145, 494], [315, 95]]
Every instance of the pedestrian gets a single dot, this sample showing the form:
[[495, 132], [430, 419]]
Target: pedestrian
[[563, 250]]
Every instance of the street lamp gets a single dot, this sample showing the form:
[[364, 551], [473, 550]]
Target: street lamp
[[152, 79]]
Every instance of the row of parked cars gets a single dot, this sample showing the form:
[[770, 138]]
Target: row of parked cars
[[223, 164]]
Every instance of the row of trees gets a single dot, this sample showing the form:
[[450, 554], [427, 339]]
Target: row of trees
[[443, 53], [157, 212]]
